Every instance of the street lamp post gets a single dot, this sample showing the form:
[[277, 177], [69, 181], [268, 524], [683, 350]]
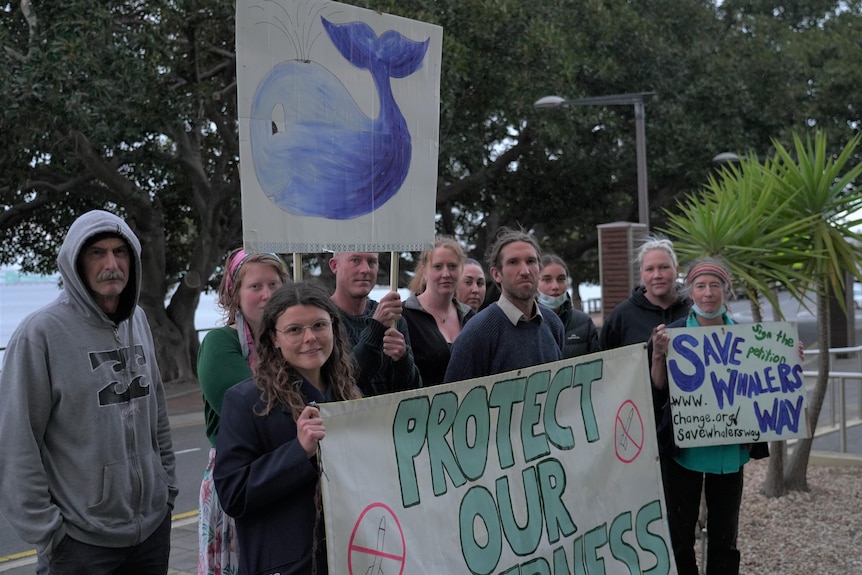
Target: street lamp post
[[637, 100]]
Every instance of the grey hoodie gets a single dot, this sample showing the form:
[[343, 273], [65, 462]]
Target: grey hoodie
[[86, 442]]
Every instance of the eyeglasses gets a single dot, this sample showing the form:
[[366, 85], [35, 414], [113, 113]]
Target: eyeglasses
[[294, 333]]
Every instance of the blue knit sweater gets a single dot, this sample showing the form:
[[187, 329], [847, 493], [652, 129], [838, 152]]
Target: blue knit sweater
[[490, 344]]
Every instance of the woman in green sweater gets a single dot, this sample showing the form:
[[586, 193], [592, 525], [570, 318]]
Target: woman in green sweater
[[226, 357]]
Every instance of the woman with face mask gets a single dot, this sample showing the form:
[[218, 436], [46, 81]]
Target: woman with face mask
[[582, 337], [715, 469]]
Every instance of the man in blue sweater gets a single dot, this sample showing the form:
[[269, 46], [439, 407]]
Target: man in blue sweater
[[515, 332]]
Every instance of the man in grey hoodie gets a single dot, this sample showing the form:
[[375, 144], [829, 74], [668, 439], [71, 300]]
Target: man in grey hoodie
[[87, 467]]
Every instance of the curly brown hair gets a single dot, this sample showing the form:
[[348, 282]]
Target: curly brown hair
[[279, 381]]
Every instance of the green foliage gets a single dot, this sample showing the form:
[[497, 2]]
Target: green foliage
[[788, 220], [820, 190], [740, 218], [131, 106]]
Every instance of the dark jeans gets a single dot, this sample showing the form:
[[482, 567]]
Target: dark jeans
[[149, 557], [682, 489]]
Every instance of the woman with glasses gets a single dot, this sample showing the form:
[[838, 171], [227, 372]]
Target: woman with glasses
[[226, 357], [266, 469]]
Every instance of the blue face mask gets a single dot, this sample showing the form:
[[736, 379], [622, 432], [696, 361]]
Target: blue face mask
[[713, 315], [551, 301]]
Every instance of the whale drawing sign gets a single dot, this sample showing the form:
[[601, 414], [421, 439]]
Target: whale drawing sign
[[737, 383], [339, 120], [549, 469]]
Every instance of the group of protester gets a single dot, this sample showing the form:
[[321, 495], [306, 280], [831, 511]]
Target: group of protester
[[88, 472]]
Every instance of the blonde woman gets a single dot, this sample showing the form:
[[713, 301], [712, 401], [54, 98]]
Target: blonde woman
[[434, 316]]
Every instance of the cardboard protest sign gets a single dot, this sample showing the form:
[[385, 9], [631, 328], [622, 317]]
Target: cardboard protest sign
[[338, 119], [736, 384], [550, 469]]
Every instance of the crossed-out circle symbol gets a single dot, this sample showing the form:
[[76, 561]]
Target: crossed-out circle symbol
[[373, 549], [628, 432]]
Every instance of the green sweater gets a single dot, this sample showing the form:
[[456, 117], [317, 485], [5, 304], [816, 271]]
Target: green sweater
[[220, 367]]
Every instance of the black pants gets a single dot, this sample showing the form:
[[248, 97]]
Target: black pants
[[150, 557], [682, 489]]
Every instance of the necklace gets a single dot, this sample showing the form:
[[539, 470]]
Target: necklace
[[425, 305]]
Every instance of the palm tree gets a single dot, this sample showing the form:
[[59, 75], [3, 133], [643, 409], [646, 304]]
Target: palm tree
[[819, 192], [781, 222], [738, 218]]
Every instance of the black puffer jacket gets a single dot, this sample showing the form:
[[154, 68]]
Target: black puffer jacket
[[581, 337]]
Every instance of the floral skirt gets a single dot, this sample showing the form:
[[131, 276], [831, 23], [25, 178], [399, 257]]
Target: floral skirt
[[217, 544]]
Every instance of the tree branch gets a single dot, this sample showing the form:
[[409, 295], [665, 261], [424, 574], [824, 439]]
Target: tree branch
[[447, 193], [122, 187]]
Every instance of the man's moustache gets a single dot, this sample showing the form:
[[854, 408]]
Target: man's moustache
[[108, 276]]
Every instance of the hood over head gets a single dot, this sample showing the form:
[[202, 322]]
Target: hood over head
[[80, 234]]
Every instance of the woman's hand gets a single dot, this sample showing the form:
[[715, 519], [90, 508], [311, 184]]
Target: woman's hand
[[660, 341], [310, 430]]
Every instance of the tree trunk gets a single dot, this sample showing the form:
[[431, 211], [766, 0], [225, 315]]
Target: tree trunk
[[173, 346], [774, 485], [796, 476]]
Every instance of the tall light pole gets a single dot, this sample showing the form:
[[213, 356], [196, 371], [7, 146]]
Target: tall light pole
[[637, 100]]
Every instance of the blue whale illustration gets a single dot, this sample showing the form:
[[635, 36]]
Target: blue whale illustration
[[333, 161]]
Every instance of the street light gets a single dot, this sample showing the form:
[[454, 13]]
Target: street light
[[637, 100], [725, 158]]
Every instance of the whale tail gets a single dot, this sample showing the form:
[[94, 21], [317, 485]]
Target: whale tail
[[391, 51]]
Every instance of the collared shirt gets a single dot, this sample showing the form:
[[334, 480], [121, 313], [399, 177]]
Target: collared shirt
[[514, 314]]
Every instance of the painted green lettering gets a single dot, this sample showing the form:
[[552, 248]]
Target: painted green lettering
[[552, 481], [504, 395], [481, 556], [523, 540], [444, 407], [408, 437], [472, 459], [535, 446], [650, 542], [594, 540], [627, 555], [585, 375], [560, 436], [561, 561], [537, 566]]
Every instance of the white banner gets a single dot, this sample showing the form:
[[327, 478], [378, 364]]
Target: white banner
[[338, 120], [551, 469], [737, 383]]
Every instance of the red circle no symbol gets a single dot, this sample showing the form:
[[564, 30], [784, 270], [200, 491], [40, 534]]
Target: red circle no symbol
[[628, 432], [377, 543]]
